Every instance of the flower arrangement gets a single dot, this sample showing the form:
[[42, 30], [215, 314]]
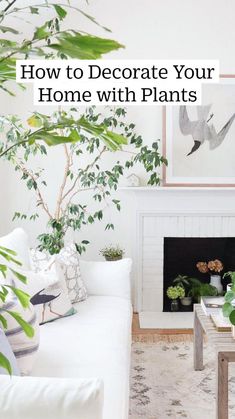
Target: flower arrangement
[[211, 266], [175, 292]]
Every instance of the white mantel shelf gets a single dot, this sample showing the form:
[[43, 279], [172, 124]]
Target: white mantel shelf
[[175, 188]]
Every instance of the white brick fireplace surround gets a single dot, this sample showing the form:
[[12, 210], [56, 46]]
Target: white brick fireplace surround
[[173, 212]]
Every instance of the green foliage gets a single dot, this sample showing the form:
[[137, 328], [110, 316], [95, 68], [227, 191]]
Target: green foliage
[[10, 258], [112, 252], [92, 136], [203, 290], [228, 307], [187, 283], [47, 40], [175, 292], [4, 363]]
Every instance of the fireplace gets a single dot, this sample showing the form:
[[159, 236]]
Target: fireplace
[[181, 255]]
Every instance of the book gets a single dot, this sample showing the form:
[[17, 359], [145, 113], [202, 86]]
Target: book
[[221, 323], [212, 305]]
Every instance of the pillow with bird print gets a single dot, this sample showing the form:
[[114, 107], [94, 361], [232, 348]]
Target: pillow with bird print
[[52, 302]]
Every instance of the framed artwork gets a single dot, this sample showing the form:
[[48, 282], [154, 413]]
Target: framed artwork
[[199, 141]]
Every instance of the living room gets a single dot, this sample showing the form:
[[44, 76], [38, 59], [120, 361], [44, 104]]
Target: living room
[[117, 227]]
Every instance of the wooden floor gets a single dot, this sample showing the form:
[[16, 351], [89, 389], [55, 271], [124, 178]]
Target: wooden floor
[[136, 330]]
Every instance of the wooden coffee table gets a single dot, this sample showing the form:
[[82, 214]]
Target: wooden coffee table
[[224, 346]]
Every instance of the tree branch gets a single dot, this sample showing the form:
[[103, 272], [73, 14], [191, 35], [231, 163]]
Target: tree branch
[[64, 181], [37, 190]]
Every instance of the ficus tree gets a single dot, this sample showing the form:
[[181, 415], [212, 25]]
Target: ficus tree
[[47, 41], [91, 135]]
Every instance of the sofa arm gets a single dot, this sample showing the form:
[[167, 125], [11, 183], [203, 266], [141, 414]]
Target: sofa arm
[[41, 397], [107, 278]]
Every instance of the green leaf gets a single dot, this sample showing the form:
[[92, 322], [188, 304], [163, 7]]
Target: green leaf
[[4, 363], [19, 276], [61, 12], [3, 270], [3, 321], [35, 121], [229, 296], [84, 47], [117, 138], [27, 328], [5, 29], [232, 317], [22, 296], [6, 250], [41, 32], [34, 10], [227, 309]]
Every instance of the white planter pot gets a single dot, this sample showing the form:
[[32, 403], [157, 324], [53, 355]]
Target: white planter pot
[[215, 280], [186, 301]]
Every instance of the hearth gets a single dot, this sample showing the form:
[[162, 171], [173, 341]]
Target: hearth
[[181, 255]]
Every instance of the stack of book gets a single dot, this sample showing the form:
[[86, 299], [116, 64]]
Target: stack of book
[[212, 306]]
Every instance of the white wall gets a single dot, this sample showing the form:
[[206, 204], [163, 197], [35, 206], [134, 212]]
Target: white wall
[[150, 29]]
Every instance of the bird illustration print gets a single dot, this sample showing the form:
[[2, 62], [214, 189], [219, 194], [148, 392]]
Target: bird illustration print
[[46, 300], [201, 130]]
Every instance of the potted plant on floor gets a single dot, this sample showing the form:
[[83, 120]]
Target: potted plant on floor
[[187, 283], [174, 293], [112, 253]]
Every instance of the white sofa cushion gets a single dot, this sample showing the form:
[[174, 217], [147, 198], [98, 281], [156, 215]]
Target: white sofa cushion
[[107, 278], [50, 398], [95, 342], [17, 240]]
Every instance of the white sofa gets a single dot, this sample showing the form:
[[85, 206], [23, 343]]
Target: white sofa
[[82, 367], [95, 342]]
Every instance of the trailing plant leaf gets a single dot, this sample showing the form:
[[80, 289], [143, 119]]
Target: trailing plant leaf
[[4, 363], [22, 296], [27, 328]]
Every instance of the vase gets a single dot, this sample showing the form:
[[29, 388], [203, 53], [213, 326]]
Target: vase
[[174, 305], [216, 282]]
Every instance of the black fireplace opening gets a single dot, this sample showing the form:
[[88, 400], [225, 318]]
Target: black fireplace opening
[[181, 255]]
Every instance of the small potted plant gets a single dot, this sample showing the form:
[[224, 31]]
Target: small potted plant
[[174, 293], [187, 283], [112, 253], [213, 267]]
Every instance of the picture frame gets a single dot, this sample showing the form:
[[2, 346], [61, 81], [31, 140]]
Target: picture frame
[[199, 141]]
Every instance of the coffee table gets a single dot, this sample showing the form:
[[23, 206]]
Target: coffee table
[[224, 346]]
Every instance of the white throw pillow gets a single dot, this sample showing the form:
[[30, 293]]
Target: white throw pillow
[[51, 398], [39, 260], [68, 265], [107, 278], [24, 348], [37, 281], [17, 240]]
